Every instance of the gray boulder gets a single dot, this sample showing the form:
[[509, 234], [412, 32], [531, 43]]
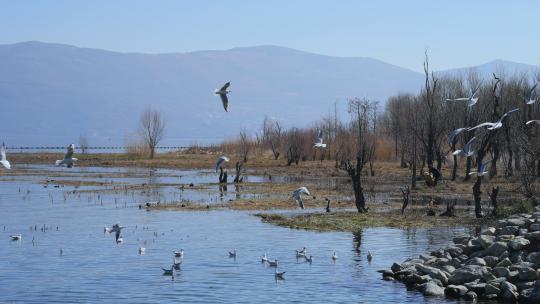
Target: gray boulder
[[491, 260], [470, 273], [533, 236], [496, 249], [534, 257], [455, 291], [491, 289], [527, 274], [431, 289], [486, 240], [531, 296], [396, 267], [534, 227], [433, 272], [470, 296], [509, 291], [488, 231], [504, 263], [519, 243], [500, 272], [509, 230], [476, 261]]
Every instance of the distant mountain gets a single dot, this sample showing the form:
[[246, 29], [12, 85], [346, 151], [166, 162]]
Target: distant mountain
[[52, 93], [499, 67]]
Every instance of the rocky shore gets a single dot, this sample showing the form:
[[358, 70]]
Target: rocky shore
[[500, 263]]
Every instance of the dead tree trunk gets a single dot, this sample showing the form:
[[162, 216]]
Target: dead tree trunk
[[493, 198], [405, 191], [238, 177]]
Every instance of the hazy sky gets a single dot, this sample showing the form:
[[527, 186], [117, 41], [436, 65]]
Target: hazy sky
[[457, 33]]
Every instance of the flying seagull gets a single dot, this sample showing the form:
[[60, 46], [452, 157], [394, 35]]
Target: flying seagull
[[471, 100], [533, 121], [495, 125], [467, 150], [482, 170], [223, 95], [220, 162], [16, 237], [319, 141], [3, 159], [297, 195], [529, 97], [453, 135], [68, 160]]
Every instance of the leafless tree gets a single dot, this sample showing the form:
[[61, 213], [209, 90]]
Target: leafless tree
[[363, 123], [272, 136], [83, 143], [151, 129], [244, 146]]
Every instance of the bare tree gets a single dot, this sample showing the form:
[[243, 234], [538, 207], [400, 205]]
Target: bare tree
[[272, 136], [151, 129], [363, 124], [83, 143], [245, 146]]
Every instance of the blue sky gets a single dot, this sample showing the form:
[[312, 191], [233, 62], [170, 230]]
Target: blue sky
[[457, 33]]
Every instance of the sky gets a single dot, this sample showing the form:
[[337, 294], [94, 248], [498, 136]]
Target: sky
[[455, 33]]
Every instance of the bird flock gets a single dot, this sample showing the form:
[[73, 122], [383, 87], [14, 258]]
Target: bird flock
[[468, 150]]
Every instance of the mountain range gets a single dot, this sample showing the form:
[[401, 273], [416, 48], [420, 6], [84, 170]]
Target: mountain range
[[52, 93]]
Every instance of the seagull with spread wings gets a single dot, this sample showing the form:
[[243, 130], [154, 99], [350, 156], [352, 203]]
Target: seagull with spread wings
[[471, 100], [221, 161], [495, 125], [297, 195], [319, 141], [223, 95], [467, 150], [455, 133], [529, 98], [68, 160], [3, 159]]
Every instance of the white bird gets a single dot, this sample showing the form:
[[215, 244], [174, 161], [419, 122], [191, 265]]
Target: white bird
[[232, 254], [68, 160], [119, 240], [334, 256], [369, 256], [264, 258], [223, 95], [142, 250], [482, 170], [3, 159], [471, 100], [533, 121], [16, 237], [495, 125], [529, 98], [467, 150], [220, 162], [309, 258], [272, 263], [453, 135], [176, 264], [279, 275], [297, 195], [179, 254], [319, 141], [301, 253]]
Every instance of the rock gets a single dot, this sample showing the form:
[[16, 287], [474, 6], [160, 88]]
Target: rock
[[388, 278], [486, 240], [500, 272], [488, 231], [518, 221], [490, 289], [533, 236], [478, 254], [476, 261], [425, 257], [470, 273], [448, 268], [491, 260], [531, 295], [534, 227], [416, 279], [518, 257], [509, 230], [519, 243], [455, 291], [454, 251], [433, 272], [396, 267], [509, 291], [496, 249], [527, 274], [431, 289], [522, 231], [461, 239], [513, 276], [505, 238], [386, 273], [537, 283], [470, 296], [525, 285], [504, 263], [504, 255], [534, 257]]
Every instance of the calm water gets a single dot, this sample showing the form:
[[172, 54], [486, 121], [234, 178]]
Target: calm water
[[93, 268]]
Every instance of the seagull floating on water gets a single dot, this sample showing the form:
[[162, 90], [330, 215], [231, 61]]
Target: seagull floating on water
[[232, 254], [273, 263], [264, 258], [220, 162], [223, 95], [530, 95], [168, 272], [495, 125], [179, 254], [334, 256], [471, 100], [297, 195], [3, 159], [301, 253], [142, 250], [16, 237], [279, 275], [309, 258], [68, 160], [319, 141], [369, 256], [467, 150]]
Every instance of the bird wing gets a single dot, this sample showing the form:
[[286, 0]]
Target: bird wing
[[532, 121], [117, 234], [485, 124], [531, 91], [303, 190], [508, 113], [470, 141], [454, 134], [3, 153], [220, 161], [225, 86], [225, 101], [458, 99]]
